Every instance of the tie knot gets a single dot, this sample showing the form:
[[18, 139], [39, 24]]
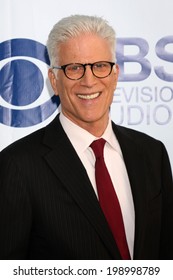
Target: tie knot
[[97, 147]]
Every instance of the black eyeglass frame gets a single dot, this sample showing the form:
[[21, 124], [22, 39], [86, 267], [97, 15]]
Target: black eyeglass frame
[[63, 67]]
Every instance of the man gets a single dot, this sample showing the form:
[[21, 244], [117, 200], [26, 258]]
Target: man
[[49, 202]]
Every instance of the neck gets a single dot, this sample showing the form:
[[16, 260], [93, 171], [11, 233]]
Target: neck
[[96, 127]]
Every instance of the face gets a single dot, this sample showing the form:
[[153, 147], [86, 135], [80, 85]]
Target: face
[[86, 101]]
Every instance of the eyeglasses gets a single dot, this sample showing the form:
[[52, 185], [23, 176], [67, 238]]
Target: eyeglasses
[[75, 71]]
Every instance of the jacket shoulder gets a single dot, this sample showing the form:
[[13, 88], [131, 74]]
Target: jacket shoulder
[[135, 135], [146, 143], [30, 143]]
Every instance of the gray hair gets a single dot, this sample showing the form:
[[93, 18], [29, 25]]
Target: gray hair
[[73, 26]]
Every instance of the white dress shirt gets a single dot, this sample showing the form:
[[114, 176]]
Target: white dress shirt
[[81, 140]]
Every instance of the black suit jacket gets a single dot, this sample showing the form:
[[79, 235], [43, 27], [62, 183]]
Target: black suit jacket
[[48, 209]]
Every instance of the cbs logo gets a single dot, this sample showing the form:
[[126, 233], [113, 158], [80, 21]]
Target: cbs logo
[[26, 97]]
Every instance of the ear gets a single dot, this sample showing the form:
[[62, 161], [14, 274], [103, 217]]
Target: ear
[[53, 81], [117, 70], [116, 75]]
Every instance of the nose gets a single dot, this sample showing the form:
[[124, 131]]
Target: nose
[[88, 79]]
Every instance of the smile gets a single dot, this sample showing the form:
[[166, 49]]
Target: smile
[[89, 96]]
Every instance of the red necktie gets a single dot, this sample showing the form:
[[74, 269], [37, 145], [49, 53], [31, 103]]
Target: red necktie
[[108, 199]]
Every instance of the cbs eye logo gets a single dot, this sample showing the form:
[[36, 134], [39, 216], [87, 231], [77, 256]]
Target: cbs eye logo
[[26, 97]]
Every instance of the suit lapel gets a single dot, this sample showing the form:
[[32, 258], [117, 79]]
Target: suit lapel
[[135, 164], [62, 157]]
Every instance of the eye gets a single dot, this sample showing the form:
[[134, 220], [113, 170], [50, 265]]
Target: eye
[[74, 68], [100, 65]]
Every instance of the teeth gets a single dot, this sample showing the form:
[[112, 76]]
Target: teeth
[[88, 96]]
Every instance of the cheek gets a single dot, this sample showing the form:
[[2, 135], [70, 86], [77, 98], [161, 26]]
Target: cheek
[[64, 84], [64, 92], [111, 85], [61, 87]]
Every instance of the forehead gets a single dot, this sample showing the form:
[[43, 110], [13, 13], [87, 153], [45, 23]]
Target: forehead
[[84, 49]]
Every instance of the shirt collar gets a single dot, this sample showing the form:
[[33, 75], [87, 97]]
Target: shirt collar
[[81, 138]]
